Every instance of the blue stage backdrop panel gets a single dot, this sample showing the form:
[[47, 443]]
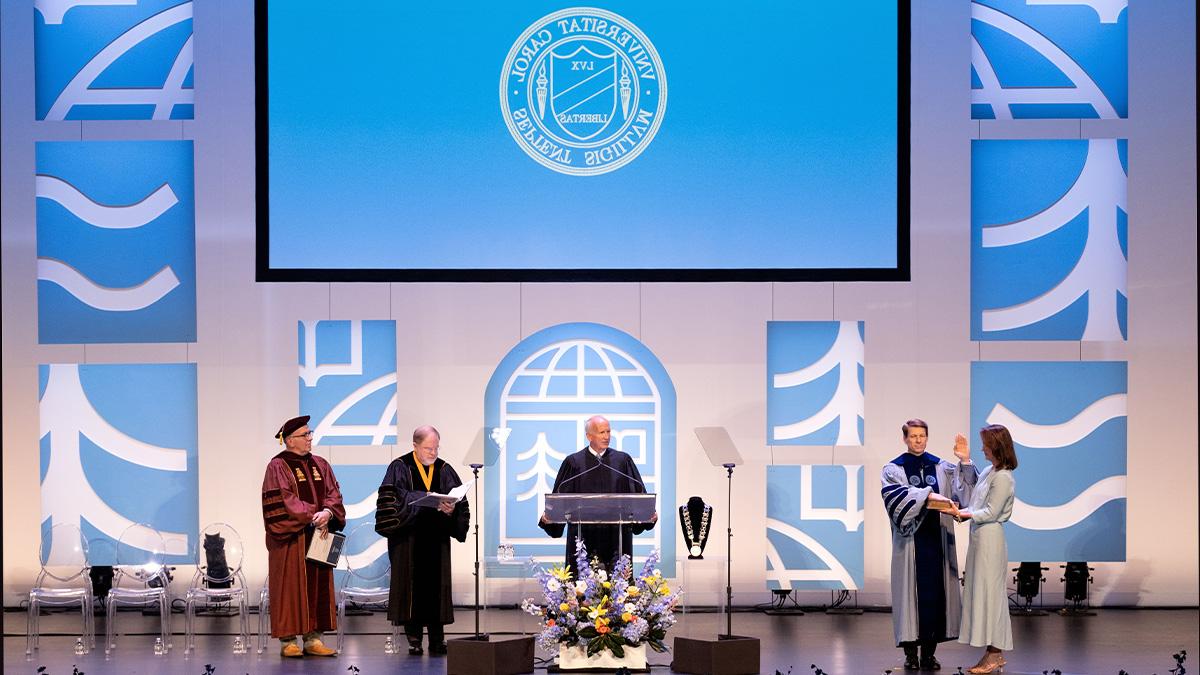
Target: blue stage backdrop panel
[[814, 527], [1040, 59], [118, 447], [537, 401], [519, 138], [1068, 423], [815, 382], [365, 551], [116, 242], [348, 381], [113, 60], [1049, 240]]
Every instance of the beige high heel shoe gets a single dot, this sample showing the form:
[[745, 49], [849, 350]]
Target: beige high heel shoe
[[992, 662]]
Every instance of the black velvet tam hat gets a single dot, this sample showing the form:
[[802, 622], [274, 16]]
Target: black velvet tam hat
[[290, 426]]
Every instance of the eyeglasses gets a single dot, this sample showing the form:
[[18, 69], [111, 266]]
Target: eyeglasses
[[307, 434]]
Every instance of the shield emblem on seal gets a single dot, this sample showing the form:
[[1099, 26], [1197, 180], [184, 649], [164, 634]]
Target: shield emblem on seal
[[583, 91]]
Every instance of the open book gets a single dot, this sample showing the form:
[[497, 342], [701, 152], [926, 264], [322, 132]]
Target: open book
[[432, 499]]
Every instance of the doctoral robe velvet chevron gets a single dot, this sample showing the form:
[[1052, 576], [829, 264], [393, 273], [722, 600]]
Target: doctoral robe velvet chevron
[[905, 506], [399, 522], [294, 489]]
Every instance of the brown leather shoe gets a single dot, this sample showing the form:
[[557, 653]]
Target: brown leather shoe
[[318, 648], [291, 650]]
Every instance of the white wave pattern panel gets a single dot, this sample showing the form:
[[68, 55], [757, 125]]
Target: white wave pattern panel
[[783, 577], [1032, 435], [312, 373], [53, 11], [79, 92], [1085, 89], [381, 429], [848, 402], [362, 508], [850, 516], [106, 298], [131, 216], [1101, 269], [103, 216], [65, 412], [369, 555], [1108, 11]]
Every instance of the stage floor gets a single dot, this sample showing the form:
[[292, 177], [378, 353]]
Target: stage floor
[[1140, 642]]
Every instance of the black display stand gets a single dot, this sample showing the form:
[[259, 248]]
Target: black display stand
[[477, 654], [728, 654]]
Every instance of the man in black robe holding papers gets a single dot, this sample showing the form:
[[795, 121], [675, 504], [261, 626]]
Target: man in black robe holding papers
[[418, 527], [598, 469]]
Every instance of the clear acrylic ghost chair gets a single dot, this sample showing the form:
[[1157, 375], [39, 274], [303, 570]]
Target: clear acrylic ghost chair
[[264, 615], [368, 575], [64, 580], [218, 580], [140, 579]]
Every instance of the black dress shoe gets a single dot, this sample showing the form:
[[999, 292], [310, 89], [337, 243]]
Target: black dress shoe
[[415, 649], [437, 648], [930, 663], [911, 662]]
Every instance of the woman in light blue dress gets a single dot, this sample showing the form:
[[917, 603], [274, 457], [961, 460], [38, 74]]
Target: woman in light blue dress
[[985, 621]]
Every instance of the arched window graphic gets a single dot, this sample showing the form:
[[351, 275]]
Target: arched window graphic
[[536, 404]]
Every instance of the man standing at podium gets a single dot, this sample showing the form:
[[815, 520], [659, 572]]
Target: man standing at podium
[[598, 469]]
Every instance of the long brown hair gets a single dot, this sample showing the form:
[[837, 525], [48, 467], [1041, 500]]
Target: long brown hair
[[996, 438]]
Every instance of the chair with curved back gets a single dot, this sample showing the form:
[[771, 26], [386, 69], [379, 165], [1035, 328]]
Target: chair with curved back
[[218, 579], [368, 575], [140, 579], [64, 580], [264, 615]]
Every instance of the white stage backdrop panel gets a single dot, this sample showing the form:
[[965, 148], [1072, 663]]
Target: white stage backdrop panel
[[1049, 59], [1049, 240], [348, 381], [1069, 427], [365, 551], [816, 382], [118, 447], [759, 136], [116, 228], [814, 527], [104, 60], [537, 401]]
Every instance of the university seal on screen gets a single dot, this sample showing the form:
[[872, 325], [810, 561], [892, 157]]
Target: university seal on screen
[[583, 91]]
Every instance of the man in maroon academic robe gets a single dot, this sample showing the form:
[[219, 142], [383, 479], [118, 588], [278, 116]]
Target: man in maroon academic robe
[[301, 500]]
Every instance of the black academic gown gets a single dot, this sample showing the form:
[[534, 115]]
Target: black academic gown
[[419, 542], [602, 541]]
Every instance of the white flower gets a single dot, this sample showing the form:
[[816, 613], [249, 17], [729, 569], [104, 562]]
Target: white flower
[[580, 586], [630, 607], [553, 585], [602, 576], [658, 573]]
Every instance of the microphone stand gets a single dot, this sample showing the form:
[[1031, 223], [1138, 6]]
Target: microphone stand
[[475, 472], [729, 550]]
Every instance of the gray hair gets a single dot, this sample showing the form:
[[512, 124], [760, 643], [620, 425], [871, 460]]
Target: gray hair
[[422, 432], [590, 425]]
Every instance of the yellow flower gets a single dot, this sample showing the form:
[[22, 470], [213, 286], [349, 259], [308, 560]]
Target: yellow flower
[[633, 590], [564, 607], [627, 617], [606, 584], [665, 590]]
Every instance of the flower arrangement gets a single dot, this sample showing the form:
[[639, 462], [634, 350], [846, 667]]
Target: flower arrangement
[[601, 611]]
